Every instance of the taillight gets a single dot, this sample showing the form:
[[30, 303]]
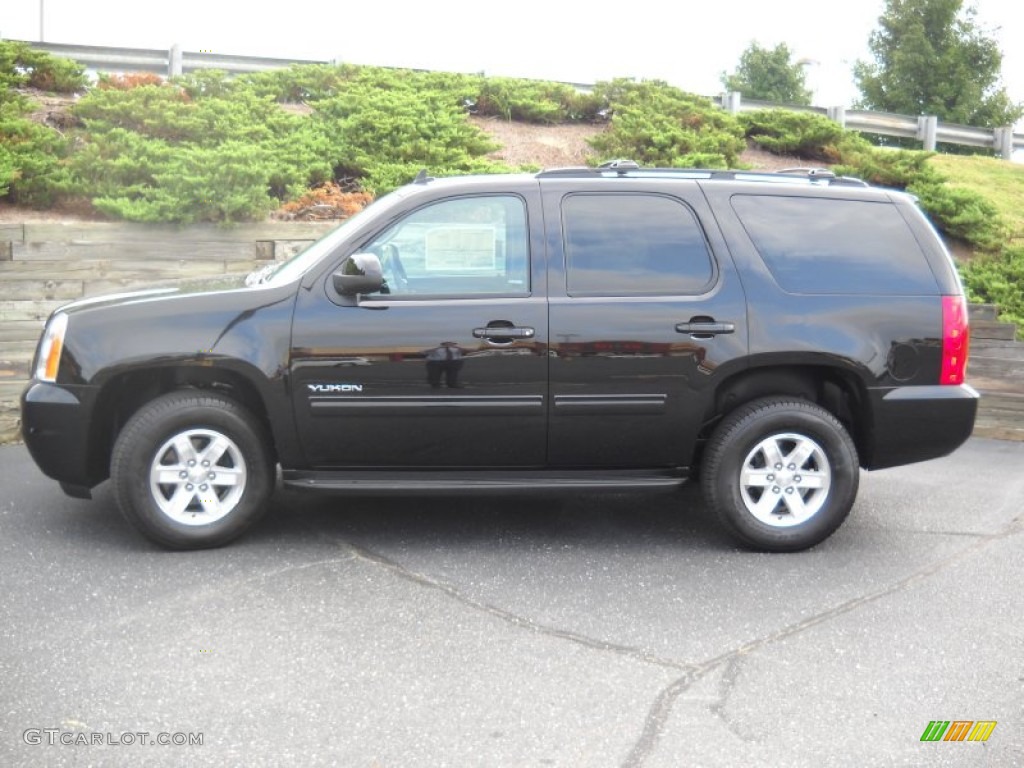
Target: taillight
[[956, 337], [50, 348]]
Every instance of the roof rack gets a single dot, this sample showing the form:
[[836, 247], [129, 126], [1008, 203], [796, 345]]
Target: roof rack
[[630, 169]]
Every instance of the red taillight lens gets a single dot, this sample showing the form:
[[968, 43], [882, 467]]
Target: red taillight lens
[[956, 336]]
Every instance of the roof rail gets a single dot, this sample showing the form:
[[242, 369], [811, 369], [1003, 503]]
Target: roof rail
[[630, 169]]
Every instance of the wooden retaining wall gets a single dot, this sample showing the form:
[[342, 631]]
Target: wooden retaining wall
[[46, 264]]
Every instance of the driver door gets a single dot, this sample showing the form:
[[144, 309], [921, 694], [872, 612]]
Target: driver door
[[445, 366]]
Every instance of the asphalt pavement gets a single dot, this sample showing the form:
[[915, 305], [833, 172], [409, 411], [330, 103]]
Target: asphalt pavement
[[622, 630]]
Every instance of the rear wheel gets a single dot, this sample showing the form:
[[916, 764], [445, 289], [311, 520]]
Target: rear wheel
[[192, 469], [781, 474]]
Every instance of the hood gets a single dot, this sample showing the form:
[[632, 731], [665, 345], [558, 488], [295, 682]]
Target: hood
[[214, 284]]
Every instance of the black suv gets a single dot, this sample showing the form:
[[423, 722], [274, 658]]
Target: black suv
[[577, 329]]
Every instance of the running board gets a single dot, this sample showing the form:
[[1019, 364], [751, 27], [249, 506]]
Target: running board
[[443, 482]]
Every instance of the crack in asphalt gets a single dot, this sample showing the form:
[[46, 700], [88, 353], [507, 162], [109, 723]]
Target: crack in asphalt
[[657, 717], [514, 619], [661, 709], [725, 688]]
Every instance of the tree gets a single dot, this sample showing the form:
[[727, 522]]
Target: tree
[[769, 75], [932, 58]]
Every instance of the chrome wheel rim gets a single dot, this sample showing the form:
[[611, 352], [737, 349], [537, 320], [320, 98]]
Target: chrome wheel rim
[[197, 477], [785, 480]]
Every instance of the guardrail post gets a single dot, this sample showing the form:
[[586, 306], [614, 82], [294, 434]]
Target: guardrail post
[[1004, 142], [731, 102], [174, 61], [837, 115], [927, 130]]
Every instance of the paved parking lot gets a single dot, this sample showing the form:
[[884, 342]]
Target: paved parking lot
[[529, 631]]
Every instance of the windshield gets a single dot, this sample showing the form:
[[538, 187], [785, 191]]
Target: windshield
[[300, 263]]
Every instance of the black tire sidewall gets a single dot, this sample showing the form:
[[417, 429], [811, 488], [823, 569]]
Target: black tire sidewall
[[150, 428], [734, 442]]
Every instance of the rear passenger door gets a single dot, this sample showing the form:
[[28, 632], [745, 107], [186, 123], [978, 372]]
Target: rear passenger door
[[646, 314]]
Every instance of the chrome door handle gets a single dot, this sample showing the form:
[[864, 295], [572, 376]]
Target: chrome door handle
[[706, 329], [499, 332]]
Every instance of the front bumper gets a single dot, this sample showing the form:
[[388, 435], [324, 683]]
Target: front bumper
[[918, 423], [55, 422]]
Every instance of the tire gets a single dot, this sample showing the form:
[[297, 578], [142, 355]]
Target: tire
[[163, 486], [781, 474]]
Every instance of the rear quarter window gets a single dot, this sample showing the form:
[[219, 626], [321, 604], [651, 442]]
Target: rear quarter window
[[820, 245]]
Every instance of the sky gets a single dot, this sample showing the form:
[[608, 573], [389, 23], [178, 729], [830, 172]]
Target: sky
[[689, 44]]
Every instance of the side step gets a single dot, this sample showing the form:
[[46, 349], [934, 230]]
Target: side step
[[456, 482]]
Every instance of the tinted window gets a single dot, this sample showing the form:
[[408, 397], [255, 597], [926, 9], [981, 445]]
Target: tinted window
[[815, 245], [628, 245], [460, 247]]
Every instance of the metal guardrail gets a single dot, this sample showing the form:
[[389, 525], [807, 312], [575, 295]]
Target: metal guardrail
[[170, 62], [924, 128]]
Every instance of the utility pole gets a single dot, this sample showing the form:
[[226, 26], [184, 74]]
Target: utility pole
[[41, 38]]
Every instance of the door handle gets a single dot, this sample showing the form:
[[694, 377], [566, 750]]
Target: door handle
[[501, 332], [709, 328]]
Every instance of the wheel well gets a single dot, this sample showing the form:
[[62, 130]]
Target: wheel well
[[123, 395], [832, 389]]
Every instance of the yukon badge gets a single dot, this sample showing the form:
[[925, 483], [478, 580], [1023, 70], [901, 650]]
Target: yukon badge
[[321, 389]]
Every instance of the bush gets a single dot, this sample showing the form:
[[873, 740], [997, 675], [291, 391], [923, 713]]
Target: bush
[[301, 82], [656, 124], [962, 213], [785, 132], [205, 82], [33, 159], [385, 136], [221, 184], [22, 66], [998, 279], [898, 168], [8, 170]]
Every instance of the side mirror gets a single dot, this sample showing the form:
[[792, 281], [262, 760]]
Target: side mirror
[[359, 273]]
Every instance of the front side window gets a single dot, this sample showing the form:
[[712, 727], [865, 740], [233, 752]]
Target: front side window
[[633, 245], [460, 247]]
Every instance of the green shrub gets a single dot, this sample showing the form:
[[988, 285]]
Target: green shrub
[[898, 168], [998, 279], [33, 168], [205, 83], [21, 66], [785, 132], [221, 184], [8, 170], [658, 125], [962, 213], [384, 137]]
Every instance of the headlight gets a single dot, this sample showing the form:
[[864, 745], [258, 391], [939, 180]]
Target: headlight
[[50, 347]]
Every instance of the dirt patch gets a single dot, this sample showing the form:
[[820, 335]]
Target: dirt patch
[[547, 146], [551, 146], [760, 160]]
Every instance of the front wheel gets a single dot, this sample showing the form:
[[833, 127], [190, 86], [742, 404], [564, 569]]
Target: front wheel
[[781, 474], [192, 469]]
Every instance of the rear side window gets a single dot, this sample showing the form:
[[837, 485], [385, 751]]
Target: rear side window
[[633, 245], [818, 245]]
